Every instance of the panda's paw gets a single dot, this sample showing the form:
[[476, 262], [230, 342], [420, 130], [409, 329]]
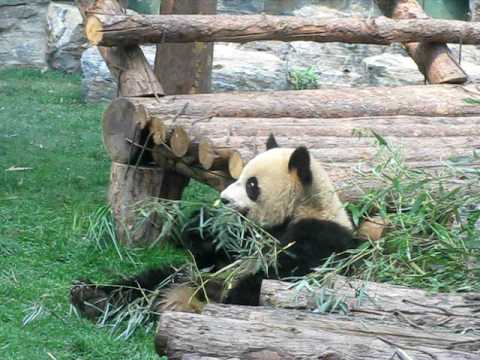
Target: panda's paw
[[88, 299], [181, 298]]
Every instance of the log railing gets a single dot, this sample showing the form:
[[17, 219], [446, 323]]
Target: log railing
[[206, 136], [114, 30]]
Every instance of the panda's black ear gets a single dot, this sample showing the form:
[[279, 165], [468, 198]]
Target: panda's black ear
[[300, 162], [271, 142]]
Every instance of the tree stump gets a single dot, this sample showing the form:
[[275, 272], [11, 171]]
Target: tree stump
[[130, 186]]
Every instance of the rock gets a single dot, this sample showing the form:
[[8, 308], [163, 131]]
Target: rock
[[66, 40], [470, 60], [97, 83], [242, 69], [391, 69], [335, 64], [23, 40], [239, 6], [234, 69]]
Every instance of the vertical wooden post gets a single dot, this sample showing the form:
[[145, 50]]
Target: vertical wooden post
[[184, 69], [129, 184]]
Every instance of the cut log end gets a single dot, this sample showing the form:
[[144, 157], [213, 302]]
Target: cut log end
[[180, 141], [206, 154], [94, 30], [159, 131], [235, 164], [119, 129]]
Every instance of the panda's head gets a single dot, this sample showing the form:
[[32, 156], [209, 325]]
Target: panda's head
[[272, 185]]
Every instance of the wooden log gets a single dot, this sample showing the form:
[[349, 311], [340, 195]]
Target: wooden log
[[180, 141], [426, 141], [434, 59], [129, 186], [216, 179], [185, 68], [128, 64], [220, 158], [134, 77], [384, 302], [109, 30], [300, 337], [439, 100], [126, 124], [346, 322]]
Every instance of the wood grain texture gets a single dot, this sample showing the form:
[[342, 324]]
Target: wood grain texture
[[434, 59], [129, 186], [327, 121], [433, 100], [297, 337], [385, 302], [140, 29], [185, 68], [127, 64]]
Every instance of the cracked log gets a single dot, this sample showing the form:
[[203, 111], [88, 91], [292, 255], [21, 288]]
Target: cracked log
[[434, 59], [385, 302], [117, 30], [234, 331]]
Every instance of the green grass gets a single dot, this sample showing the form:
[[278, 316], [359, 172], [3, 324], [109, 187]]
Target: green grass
[[54, 176], [46, 128]]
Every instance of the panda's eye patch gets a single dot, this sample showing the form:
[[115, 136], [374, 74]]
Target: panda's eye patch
[[253, 191]]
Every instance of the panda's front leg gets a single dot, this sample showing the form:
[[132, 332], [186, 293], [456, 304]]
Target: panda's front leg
[[246, 290], [92, 300]]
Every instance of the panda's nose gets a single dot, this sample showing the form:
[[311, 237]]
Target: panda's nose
[[225, 201]]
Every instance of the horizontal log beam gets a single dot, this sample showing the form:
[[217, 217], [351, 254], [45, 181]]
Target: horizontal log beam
[[296, 335], [429, 123], [434, 100], [108, 30], [383, 302]]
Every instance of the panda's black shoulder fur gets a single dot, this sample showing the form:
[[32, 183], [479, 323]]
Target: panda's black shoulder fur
[[313, 241]]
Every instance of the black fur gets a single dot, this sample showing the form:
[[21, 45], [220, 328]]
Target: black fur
[[252, 189], [300, 161], [313, 242], [271, 142], [91, 300]]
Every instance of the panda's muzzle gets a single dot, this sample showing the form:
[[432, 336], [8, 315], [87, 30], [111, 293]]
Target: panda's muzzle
[[228, 203]]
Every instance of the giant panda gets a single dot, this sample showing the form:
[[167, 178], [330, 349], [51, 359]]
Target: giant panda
[[289, 194]]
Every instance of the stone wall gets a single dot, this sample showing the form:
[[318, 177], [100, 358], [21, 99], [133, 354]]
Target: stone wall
[[43, 33], [66, 40], [23, 33]]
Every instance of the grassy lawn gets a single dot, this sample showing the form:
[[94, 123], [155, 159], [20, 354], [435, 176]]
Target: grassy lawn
[[53, 176]]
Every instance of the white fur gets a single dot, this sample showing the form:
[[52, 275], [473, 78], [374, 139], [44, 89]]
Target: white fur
[[281, 193]]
